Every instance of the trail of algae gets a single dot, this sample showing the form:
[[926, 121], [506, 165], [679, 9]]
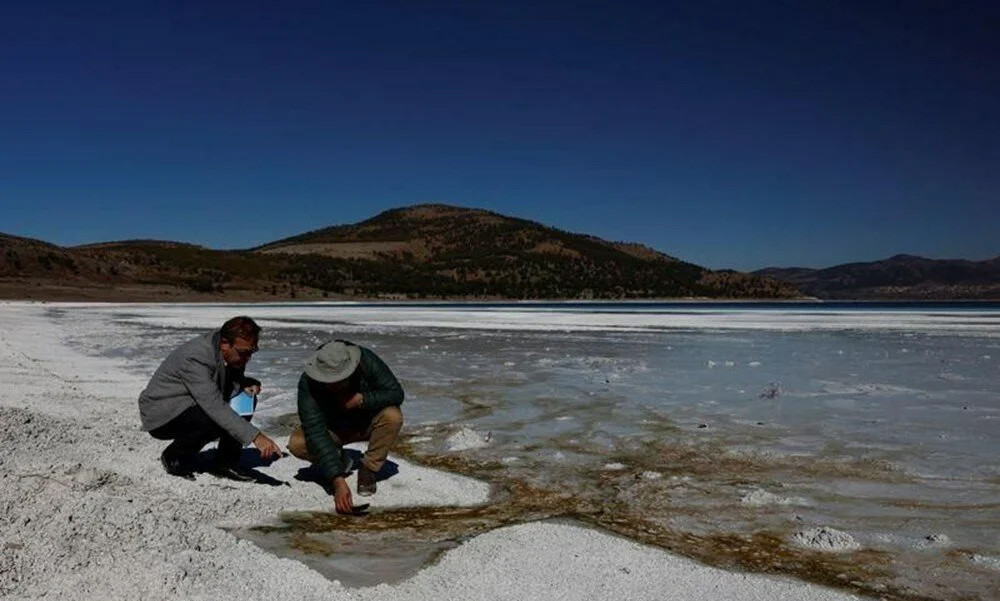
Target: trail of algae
[[863, 572]]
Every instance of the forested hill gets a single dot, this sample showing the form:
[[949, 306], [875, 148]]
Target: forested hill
[[472, 252]]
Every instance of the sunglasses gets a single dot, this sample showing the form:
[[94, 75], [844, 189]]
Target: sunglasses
[[244, 353]]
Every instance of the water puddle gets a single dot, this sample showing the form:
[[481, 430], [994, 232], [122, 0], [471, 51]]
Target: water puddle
[[355, 559], [389, 545]]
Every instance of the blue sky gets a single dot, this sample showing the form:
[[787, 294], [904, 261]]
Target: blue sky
[[730, 134]]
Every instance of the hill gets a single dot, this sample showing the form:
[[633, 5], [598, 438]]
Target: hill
[[899, 277], [424, 251], [453, 251]]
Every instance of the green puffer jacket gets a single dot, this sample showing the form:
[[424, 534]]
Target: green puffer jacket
[[319, 413]]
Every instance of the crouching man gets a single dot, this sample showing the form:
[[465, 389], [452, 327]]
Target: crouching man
[[187, 401], [347, 394]]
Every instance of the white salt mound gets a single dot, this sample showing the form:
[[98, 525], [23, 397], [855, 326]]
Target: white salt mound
[[542, 561], [466, 439], [825, 539], [759, 498], [987, 561]]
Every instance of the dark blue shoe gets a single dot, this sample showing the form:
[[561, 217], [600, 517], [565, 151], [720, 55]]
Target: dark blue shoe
[[175, 467]]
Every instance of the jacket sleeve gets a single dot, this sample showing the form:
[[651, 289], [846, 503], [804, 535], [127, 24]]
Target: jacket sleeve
[[383, 387], [197, 377], [324, 451]]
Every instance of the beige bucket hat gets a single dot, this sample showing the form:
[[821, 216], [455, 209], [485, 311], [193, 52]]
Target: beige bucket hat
[[333, 362]]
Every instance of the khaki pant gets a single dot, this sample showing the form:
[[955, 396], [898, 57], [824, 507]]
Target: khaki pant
[[381, 434]]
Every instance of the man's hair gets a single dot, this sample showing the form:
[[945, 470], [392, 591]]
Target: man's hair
[[240, 327]]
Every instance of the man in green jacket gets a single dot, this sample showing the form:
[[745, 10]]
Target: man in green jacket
[[347, 394]]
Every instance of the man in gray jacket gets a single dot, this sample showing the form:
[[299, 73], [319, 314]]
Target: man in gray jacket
[[187, 401]]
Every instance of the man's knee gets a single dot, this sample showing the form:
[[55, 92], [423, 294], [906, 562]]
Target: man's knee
[[297, 444], [391, 417]]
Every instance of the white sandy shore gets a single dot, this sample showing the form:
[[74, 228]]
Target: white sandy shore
[[967, 322], [87, 512]]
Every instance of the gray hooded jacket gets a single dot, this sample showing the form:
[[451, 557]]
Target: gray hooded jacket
[[193, 374]]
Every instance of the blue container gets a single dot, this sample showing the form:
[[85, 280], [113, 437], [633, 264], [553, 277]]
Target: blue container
[[242, 404]]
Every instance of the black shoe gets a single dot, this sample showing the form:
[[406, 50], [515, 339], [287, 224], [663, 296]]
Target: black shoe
[[175, 467], [234, 473], [366, 482]]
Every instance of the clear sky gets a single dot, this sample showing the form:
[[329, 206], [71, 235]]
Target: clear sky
[[730, 134]]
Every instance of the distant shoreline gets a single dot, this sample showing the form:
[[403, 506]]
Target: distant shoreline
[[140, 293], [55, 292]]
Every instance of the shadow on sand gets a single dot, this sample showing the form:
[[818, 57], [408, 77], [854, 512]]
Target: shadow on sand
[[249, 459], [312, 473]]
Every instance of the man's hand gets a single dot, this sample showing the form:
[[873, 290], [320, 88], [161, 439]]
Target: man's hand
[[354, 402], [342, 495], [266, 446], [252, 390]]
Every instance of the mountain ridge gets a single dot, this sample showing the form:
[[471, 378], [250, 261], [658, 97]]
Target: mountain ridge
[[419, 251], [901, 276]]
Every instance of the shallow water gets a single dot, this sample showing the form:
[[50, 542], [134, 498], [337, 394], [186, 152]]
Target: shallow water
[[696, 428], [356, 559]]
